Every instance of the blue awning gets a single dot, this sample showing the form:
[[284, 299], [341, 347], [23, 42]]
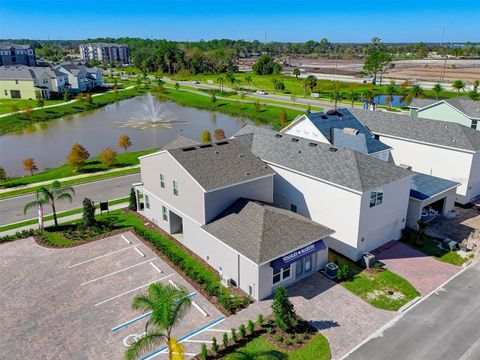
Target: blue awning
[[296, 255]]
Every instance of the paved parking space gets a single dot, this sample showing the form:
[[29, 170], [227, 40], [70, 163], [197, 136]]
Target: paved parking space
[[422, 271], [75, 303]]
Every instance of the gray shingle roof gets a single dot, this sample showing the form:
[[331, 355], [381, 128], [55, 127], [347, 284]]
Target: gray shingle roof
[[262, 232], [430, 131], [8, 45], [22, 72], [341, 119], [465, 105], [426, 186], [178, 142], [337, 165], [219, 164]]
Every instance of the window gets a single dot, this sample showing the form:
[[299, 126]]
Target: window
[[164, 213], [281, 274], [5, 92], [376, 198], [147, 202], [293, 208], [162, 181], [16, 82], [175, 187], [474, 124]]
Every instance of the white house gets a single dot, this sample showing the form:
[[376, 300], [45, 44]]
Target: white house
[[80, 77], [442, 149]]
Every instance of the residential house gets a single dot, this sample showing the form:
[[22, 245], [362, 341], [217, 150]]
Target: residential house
[[24, 82], [338, 128], [105, 52], [216, 199], [16, 54], [459, 110], [81, 78], [447, 150]]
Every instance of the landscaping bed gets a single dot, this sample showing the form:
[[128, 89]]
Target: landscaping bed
[[379, 287]]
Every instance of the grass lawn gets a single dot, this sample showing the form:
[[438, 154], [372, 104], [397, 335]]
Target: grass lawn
[[6, 104], [19, 122], [266, 115], [261, 349], [92, 166], [430, 248], [292, 85]]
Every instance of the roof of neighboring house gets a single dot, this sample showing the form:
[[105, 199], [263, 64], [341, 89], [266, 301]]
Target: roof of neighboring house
[[465, 105], [426, 186], [337, 165], [21, 72], [328, 123], [105, 45], [220, 164], [180, 141], [263, 232], [8, 45], [425, 130]]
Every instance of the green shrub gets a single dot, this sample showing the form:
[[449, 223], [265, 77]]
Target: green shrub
[[269, 330], [250, 326], [204, 352], [225, 340], [277, 338], [243, 331], [234, 335], [19, 235], [283, 310], [344, 273], [287, 342], [215, 345], [260, 320], [296, 341]]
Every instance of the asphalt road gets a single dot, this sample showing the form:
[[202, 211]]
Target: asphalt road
[[11, 210], [445, 326]]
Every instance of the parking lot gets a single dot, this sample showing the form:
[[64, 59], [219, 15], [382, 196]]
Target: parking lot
[[75, 303]]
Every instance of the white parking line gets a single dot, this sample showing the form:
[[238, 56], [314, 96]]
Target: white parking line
[[130, 291], [124, 238], [199, 341], [116, 272], [156, 267], [195, 305], [218, 330], [138, 251], [102, 256]]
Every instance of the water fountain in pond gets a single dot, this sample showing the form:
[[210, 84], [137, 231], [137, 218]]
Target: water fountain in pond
[[151, 115]]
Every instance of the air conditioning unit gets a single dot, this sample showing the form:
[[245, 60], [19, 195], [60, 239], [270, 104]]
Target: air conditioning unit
[[226, 281]]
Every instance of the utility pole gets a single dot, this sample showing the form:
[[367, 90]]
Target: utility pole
[[442, 73]]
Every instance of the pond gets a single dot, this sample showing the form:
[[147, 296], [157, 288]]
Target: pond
[[397, 100], [148, 122]]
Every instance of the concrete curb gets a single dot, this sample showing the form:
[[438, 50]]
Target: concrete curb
[[409, 304]]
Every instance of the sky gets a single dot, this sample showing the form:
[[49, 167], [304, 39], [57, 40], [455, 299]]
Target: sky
[[281, 20]]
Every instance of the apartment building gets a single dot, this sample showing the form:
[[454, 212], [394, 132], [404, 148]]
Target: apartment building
[[105, 52]]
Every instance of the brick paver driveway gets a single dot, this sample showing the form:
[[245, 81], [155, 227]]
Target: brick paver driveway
[[422, 271], [342, 317], [75, 303]]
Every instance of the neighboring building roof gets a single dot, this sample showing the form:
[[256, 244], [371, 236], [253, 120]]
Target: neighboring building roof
[[219, 164], [178, 142], [8, 45], [337, 165], [467, 106], [426, 186], [425, 130], [363, 140], [21, 72], [105, 45], [263, 232]]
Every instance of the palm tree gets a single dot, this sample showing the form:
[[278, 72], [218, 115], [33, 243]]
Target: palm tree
[[249, 80], [336, 96], [353, 96], [220, 82], [47, 196], [415, 92], [296, 72], [474, 95], [168, 305], [390, 90], [437, 89], [458, 85], [311, 82], [476, 84], [231, 77], [367, 95]]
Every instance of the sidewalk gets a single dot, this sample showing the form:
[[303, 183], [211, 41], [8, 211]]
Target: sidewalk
[[82, 176]]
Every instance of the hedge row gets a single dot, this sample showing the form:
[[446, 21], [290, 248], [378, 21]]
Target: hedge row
[[18, 235], [206, 278]]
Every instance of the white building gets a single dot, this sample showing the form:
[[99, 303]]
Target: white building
[[80, 77], [105, 52]]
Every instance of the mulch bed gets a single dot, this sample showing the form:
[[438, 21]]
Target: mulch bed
[[40, 241]]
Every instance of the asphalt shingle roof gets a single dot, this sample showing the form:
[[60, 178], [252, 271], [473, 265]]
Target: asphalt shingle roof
[[22, 72], [337, 165], [219, 164], [465, 105], [8, 45], [364, 141], [426, 186], [430, 131], [262, 232], [178, 142]]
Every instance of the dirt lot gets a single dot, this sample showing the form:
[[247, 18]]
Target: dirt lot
[[75, 303]]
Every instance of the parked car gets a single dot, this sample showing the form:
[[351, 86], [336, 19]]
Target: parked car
[[261, 92], [195, 82]]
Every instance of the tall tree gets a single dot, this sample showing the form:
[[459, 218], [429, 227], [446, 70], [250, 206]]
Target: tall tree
[[205, 137], [283, 310], [231, 77], [415, 92], [311, 82], [108, 156], [296, 72], [336, 96], [266, 65], [77, 157], [48, 195], [353, 96], [249, 80], [169, 305], [29, 165], [124, 142], [391, 90], [437, 89], [459, 85], [378, 60]]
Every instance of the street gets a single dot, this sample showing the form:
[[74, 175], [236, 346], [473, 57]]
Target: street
[[11, 209], [444, 326]]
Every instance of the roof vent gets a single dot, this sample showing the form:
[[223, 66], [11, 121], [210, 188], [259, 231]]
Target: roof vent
[[189, 148], [217, 152], [240, 156], [312, 144], [294, 140], [350, 131], [203, 146], [222, 143], [332, 149], [278, 135], [247, 173], [324, 117]]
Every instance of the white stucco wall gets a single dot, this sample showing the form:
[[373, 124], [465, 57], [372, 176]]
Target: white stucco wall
[[446, 163]]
